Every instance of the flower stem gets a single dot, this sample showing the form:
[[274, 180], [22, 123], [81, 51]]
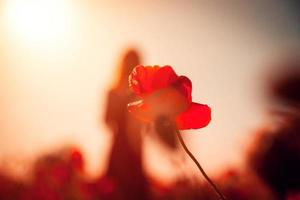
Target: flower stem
[[213, 185]]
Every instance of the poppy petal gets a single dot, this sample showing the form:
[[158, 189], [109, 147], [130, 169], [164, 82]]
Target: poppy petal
[[140, 110], [168, 102], [184, 85], [144, 80], [196, 116], [140, 79], [164, 77]]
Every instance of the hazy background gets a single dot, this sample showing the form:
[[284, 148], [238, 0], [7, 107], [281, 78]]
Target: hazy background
[[58, 59]]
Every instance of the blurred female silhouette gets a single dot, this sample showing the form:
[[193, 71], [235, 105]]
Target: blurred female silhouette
[[125, 161]]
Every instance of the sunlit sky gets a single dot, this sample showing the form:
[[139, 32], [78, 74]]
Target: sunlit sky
[[58, 57]]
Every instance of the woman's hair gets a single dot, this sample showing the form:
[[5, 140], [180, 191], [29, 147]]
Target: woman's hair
[[128, 61]]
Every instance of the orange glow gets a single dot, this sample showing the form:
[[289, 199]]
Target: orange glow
[[57, 58]]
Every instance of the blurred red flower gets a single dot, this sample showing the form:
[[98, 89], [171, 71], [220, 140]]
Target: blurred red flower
[[165, 94]]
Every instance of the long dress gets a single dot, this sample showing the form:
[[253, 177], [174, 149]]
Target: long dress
[[125, 161]]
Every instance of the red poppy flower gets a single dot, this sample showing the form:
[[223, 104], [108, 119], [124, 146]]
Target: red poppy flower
[[164, 93]]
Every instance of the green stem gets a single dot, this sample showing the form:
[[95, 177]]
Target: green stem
[[213, 185]]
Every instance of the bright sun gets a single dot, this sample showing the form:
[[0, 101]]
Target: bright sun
[[38, 20]]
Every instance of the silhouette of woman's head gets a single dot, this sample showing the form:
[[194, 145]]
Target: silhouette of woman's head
[[128, 61]]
